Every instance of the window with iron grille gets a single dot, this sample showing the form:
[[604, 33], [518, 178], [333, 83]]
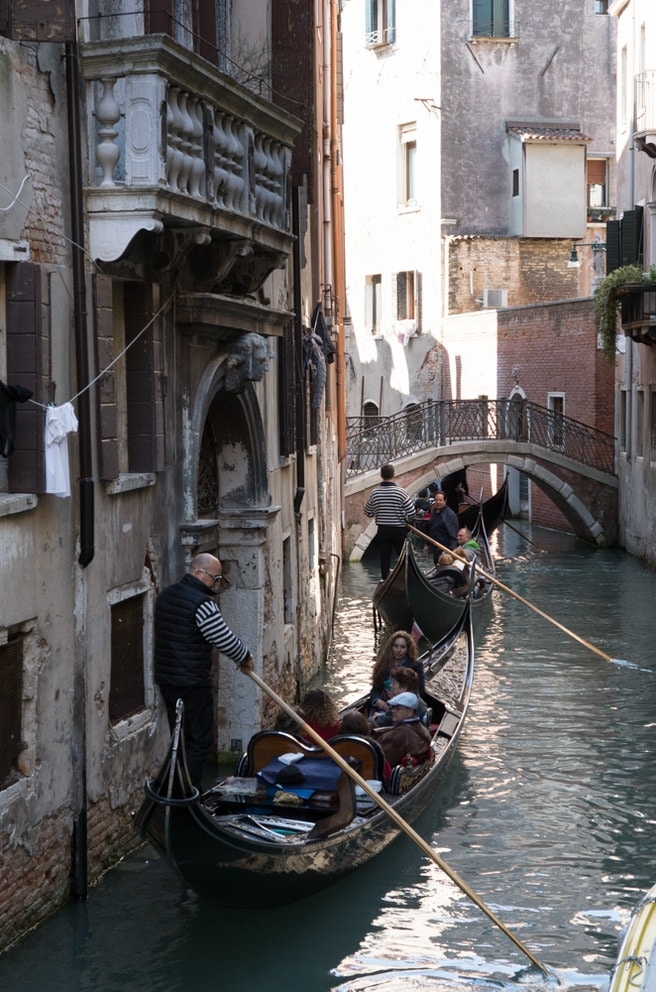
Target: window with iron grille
[[380, 27], [11, 708], [126, 694]]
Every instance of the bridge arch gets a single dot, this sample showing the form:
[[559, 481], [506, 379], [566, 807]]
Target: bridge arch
[[586, 497]]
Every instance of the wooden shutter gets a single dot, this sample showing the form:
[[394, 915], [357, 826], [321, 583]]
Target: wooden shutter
[[631, 237], [28, 364], [612, 245], [107, 407], [390, 22]]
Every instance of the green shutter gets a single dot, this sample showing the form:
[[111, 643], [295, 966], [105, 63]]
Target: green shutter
[[390, 21], [612, 245]]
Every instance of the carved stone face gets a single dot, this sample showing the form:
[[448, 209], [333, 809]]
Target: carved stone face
[[248, 361]]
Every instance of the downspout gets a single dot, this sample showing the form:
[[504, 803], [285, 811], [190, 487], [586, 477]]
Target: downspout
[[337, 198], [86, 494]]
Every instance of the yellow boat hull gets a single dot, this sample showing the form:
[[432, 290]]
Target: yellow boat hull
[[635, 968]]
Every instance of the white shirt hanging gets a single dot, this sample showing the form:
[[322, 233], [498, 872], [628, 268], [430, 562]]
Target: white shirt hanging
[[60, 421]]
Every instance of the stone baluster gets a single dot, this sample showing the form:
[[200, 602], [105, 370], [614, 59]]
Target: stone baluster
[[107, 114], [197, 160], [187, 130], [220, 161], [174, 155]]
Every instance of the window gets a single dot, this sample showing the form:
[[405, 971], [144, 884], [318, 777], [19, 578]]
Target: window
[[405, 296], [373, 303], [11, 704], [492, 19], [131, 401], [556, 406], [597, 182], [380, 28], [408, 142], [126, 693], [621, 419], [640, 432], [515, 182], [625, 240], [601, 6], [287, 598]]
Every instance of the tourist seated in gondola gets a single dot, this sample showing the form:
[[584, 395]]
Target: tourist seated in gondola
[[321, 713], [467, 544], [355, 722], [407, 741], [398, 651], [452, 575], [403, 680]]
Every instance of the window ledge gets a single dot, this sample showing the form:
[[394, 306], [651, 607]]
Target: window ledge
[[409, 208], [17, 503], [128, 481], [494, 39]]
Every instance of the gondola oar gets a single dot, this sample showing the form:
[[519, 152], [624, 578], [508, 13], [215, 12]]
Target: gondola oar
[[392, 813], [515, 595]]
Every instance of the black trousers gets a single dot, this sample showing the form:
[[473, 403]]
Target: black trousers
[[198, 724], [389, 539]]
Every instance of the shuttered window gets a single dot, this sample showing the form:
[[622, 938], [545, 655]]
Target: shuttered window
[[596, 181], [625, 240]]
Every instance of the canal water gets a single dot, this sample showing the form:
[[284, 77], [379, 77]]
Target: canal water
[[548, 813]]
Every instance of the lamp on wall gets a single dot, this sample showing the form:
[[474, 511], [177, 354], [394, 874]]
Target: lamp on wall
[[574, 258]]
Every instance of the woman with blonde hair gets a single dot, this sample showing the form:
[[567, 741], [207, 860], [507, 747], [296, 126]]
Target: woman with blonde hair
[[398, 651]]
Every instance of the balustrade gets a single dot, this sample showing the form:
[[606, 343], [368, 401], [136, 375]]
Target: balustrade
[[212, 144], [371, 441]]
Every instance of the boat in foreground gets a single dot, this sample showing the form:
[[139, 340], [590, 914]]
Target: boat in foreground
[[635, 968], [258, 840]]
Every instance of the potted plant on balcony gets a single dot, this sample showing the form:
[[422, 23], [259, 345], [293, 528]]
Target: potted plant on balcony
[[607, 299]]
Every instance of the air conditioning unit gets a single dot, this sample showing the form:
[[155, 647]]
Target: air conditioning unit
[[495, 298]]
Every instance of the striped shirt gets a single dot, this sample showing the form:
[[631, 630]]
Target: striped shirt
[[215, 630], [390, 505]]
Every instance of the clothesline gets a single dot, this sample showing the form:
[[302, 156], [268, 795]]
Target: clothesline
[[113, 362]]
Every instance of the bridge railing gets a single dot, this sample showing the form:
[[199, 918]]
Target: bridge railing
[[372, 441]]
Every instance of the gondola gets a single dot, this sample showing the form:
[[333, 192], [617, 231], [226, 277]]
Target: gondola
[[635, 968], [407, 596], [240, 844], [434, 611], [495, 510]]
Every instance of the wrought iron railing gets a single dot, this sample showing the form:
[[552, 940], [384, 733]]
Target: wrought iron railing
[[372, 441]]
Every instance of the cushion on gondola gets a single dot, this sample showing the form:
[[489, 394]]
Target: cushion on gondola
[[317, 773]]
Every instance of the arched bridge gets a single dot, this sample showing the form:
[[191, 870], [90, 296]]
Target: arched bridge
[[572, 463]]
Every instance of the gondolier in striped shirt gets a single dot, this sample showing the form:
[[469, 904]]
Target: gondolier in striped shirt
[[188, 624], [391, 507]]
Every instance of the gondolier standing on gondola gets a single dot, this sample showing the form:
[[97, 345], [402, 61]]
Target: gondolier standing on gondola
[[391, 507], [188, 624]]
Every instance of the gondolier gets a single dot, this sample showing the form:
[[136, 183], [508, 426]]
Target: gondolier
[[391, 507], [188, 623]]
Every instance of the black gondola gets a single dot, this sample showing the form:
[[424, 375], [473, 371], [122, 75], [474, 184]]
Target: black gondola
[[238, 845]]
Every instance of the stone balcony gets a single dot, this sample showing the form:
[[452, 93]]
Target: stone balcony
[[175, 146]]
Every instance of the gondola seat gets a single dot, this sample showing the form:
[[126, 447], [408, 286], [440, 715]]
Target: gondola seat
[[269, 744], [368, 753]]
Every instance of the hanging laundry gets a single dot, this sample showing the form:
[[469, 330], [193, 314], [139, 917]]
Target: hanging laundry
[[9, 397], [60, 421]]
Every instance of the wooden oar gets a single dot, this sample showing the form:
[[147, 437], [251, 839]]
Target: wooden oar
[[392, 813], [515, 595]]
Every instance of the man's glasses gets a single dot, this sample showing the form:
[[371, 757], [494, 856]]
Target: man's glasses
[[216, 579]]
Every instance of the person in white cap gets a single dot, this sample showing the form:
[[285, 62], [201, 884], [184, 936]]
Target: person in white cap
[[407, 741]]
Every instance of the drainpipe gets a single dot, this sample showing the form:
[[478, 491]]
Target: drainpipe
[[86, 494], [337, 196]]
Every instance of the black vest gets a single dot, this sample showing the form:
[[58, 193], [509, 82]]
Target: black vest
[[182, 655]]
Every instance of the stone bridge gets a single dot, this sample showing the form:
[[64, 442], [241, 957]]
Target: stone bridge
[[586, 495]]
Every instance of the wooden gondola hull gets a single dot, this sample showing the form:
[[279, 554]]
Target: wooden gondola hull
[[494, 510], [216, 858], [390, 600], [436, 612]]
